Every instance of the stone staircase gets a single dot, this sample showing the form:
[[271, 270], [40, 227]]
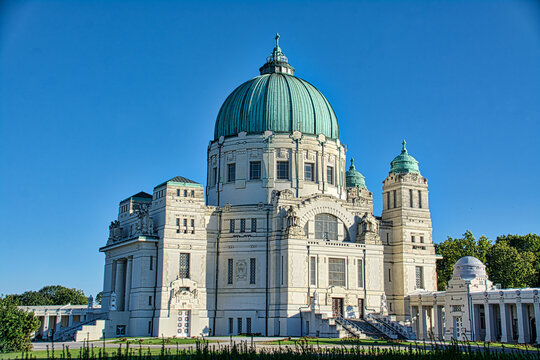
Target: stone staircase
[[88, 329], [391, 327]]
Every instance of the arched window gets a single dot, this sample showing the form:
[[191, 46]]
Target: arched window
[[326, 227]]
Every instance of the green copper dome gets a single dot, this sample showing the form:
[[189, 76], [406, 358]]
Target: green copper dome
[[277, 101], [404, 163], [354, 178]]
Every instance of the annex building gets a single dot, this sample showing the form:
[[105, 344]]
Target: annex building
[[282, 238]]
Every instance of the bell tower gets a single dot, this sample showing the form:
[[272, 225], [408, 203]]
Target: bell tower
[[409, 255]]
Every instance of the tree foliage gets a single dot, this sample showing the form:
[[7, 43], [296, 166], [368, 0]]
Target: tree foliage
[[99, 297], [51, 295], [16, 326], [512, 261]]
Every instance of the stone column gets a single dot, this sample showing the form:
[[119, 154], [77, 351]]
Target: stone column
[[119, 287], [436, 332], [487, 316], [521, 323], [70, 320], [45, 325], [128, 282], [58, 322], [537, 321], [504, 322], [421, 322]]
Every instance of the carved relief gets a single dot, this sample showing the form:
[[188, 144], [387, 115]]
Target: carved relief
[[241, 270]]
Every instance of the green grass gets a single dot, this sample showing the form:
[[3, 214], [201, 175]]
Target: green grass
[[330, 341], [156, 341]]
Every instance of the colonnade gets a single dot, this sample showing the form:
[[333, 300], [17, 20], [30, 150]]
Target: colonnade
[[121, 282]]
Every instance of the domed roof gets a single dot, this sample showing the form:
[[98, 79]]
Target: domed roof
[[354, 178], [277, 101], [469, 267], [404, 163]]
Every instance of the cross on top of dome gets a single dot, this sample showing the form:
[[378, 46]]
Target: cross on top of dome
[[277, 62]]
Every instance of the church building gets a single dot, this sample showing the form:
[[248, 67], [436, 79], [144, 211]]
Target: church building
[[281, 240]]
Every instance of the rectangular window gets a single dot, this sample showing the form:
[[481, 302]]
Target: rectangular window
[[185, 193], [421, 239], [177, 192], [177, 221], [336, 272], [330, 175], [253, 225], [410, 198], [309, 174], [313, 271], [231, 225], [419, 199], [252, 270], [231, 172], [151, 262], [395, 198], [214, 176], [192, 193], [185, 222], [388, 200], [149, 327], [229, 271], [255, 170], [413, 238], [360, 264], [389, 275], [231, 324], [239, 325], [248, 325], [419, 277], [183, 270], [242, 225], [282, 169], [192, 223], [150, 300]]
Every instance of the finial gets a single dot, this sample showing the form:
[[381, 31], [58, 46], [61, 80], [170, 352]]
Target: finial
[[277, 40], [404, 149]]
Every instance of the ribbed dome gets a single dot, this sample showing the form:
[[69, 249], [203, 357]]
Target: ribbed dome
[[354, 178], [404, 163], [469, 267], [277, 101]]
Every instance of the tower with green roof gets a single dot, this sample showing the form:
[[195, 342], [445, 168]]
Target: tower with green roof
[[406, 229]]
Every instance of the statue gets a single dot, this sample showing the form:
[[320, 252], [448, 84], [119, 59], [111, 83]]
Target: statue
[[384, 306], [368, 230], [115, 231], [292, 224], [113, 301], [145, 223], [90, 302], [315, 302], [369, 224], [292, 218]]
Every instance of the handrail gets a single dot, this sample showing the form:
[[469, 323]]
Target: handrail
[[67, 330]]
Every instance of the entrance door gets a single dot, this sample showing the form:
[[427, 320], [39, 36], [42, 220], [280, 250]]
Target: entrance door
[[337, 307], [361, 308], [458, 324], [184, 320]]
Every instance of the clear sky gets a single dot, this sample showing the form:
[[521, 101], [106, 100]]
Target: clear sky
[[102, 99]]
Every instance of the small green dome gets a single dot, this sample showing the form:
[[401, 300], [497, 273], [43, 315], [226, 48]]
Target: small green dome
[[277, 101], [404, 163], [354, 178]]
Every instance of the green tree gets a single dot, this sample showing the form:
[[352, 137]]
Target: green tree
[[99, 297], [453, 249], [529, 242], [16, 326], [510, 267], [51, 295]]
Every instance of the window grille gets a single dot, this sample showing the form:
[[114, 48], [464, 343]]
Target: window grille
[[231, 172], [239, 325], [360, 264], [410, 198], [248, 325], [313, 271], [326, 227], [254, 170], [253, 225], [231, 324], [308, 172], [242, 225], [185, 193], [395, 198], [419, 277], [419, 199], [229, 271], [252, 270], [231, 225], [183, 271], [282, 168], [388, 200], [336, 272], [330, 175]]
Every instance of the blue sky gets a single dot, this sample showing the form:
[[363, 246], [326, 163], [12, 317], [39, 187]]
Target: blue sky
[[102, 99]]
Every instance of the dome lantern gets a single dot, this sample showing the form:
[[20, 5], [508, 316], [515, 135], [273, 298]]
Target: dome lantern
[[354, 178], [404, 163], [277, 62]]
